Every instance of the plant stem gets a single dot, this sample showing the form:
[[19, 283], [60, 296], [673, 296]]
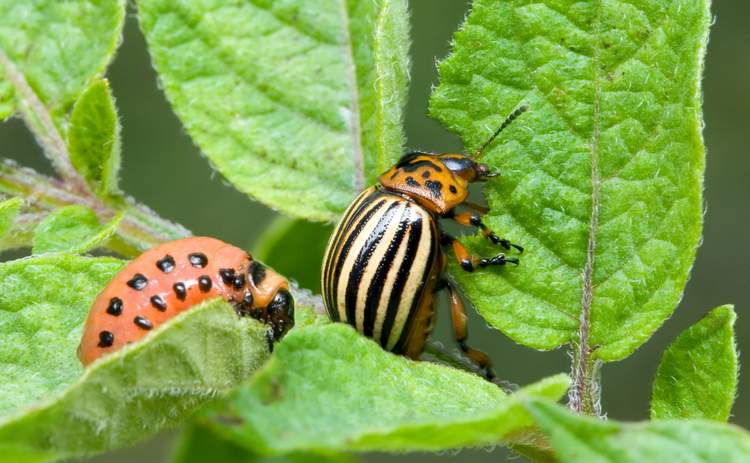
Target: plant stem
[[141, 228], [39, 120], [584, 395]]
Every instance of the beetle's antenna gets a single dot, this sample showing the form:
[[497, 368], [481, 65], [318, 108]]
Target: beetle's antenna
[[520, 110]]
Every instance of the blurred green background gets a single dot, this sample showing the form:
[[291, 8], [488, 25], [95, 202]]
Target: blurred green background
[[163, 169]]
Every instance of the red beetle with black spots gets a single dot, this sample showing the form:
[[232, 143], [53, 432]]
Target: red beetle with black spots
[[175, 276]]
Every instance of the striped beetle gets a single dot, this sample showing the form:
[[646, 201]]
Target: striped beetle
[[385, 262]]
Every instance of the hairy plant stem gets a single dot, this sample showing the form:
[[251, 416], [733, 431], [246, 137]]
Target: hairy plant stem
[[39, 120], [141, 228]]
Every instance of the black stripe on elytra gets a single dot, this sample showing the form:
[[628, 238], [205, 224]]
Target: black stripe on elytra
[[352, 213], [400, 345], [335, 237], [363, 259], [412, 245], [376, 286], [356, 229]]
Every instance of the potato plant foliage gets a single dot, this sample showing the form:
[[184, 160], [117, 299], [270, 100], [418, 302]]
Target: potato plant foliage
[[602, 182]]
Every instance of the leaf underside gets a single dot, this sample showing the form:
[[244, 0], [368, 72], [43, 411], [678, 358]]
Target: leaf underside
[[297, 103], [368, 399], [600, 179], [697, 375], [578, 439]]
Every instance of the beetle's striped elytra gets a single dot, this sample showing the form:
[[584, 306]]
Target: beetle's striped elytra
[[385, 262]]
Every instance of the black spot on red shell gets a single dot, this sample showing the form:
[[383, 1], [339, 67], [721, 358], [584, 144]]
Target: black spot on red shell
[[453, 189], [179, 290], [239, 281], [165, 264], [227, 275], [138, 282], [411, 182], [115, 306], [435, 187], [248, 298], [106, 339], [143, 322], [204, 283], [198, 259], [257, 272], [158, 303]]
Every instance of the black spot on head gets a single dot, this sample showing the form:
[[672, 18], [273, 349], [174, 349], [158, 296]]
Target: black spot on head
[[426, 174], [179, 290], [435, 187], [158, 303], [227, 275], [138, 282], [106, 339], [204, 283], [115, 306], [143, 322], [257, 272], [411, 182], [165, 264], [453, 189], [198, 259]]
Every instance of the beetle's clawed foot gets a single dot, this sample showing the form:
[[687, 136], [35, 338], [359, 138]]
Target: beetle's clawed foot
[[500, 259], [505, 243]]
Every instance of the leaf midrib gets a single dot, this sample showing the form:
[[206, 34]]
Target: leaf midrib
[[582, 389], [354, 119]]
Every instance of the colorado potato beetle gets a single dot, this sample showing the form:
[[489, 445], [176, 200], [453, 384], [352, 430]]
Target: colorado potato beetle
[[385, 262], [173, 277]]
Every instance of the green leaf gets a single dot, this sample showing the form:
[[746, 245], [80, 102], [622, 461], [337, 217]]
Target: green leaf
[[199, 444], [94, 139], [298, 103], [327, 388], [73, 229], [43, 304], [600, 180], [50, 51], [295, 249], [697, 375], [9, 210], [139, 390], [582, 439]]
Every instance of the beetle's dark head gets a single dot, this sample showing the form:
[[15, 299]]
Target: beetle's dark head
[[466, 168], [280, 313]]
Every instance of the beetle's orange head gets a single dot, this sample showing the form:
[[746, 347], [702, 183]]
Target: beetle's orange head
[[439, 182]]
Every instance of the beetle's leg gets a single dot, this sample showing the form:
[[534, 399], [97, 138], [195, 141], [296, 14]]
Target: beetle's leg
[[469, 262], [467, 218], [478, 208], [458, 317]]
